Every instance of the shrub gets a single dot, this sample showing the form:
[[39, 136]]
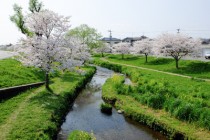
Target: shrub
[[156, 101], [106, 108], [184, 112], [80, 135], [172, 104], [205, 118]]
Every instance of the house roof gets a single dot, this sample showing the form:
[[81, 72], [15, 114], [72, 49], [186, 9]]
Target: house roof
[[110, 39], [205, 41], [134, 38]]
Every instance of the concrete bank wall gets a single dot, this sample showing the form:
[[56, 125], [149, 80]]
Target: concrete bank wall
[[12, 91]]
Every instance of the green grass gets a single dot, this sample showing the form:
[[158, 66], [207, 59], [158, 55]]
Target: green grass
[[185, 99], [192, 68], [188, 89], [38, 114], [159, 120], [13, 73], [7, 107], [80, 135]]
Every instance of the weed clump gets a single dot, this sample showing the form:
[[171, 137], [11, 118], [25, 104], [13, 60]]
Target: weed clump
[[106, 108]]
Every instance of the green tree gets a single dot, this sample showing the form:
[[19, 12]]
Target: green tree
[[88, 35], [18, 17], [35, 6]]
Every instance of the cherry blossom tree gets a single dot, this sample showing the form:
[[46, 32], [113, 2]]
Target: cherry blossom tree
[[103, 48], [80, 50], [143, 47], [176, 46], [122, 48], [49, 47]]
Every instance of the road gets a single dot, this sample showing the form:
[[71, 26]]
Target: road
[[6, 54]]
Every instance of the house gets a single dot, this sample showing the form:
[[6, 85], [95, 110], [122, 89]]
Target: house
[[133, 39], [205, 41], [111, 40]]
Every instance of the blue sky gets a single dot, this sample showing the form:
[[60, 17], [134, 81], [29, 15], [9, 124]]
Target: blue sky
[[123, 17]]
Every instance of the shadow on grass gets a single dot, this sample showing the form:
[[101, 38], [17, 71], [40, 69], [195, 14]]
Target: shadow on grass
[[126, 58], [52, 103], [160, 61], [132, 58], [114, 57], [70, 77], [194, 68], [57, 104], [39, 74], [200, 67]]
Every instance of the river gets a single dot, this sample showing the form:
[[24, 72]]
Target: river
[[86, 115]]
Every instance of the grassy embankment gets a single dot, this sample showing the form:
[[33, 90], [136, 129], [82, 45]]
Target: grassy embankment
[[13, 73], [192, 68], [37, 113], [174, 105]]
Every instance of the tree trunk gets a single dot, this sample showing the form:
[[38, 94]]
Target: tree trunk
[[146, 57], [47, 81], [177, 63]]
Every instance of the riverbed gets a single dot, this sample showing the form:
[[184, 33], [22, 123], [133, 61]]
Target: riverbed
[[85, 115]]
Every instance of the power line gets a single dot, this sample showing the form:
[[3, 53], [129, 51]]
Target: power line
[[191, 32]]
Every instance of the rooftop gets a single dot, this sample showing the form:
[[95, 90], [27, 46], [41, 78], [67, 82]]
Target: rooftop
[[110, 39]]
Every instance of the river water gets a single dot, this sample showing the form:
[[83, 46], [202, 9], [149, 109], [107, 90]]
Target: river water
[[86, 115]]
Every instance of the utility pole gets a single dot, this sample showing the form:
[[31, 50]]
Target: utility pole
[[110, 37], [178, 31]]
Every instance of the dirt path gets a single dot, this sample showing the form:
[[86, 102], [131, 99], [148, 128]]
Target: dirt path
[[180, 75], [7, 126]]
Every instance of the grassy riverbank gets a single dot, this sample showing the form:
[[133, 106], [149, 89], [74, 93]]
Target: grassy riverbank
[[81, 135], [37, 113], [157, 119], [13, 73], [185, 100], [192, 68]]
